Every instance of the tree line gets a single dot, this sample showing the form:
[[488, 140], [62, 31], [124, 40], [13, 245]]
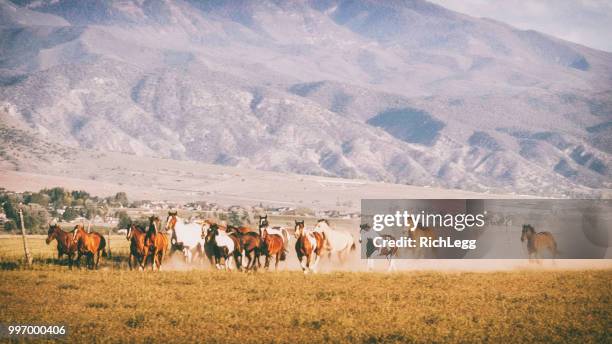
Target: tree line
[[59, 203]]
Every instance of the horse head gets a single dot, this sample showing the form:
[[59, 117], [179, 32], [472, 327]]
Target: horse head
[[322, 224], [52, 233], [77, 233], [154, 223], [299, 228], [212, 232], [527, 232], [171, 220]]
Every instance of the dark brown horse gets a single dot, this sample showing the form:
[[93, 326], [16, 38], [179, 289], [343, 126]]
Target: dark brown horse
[[538, 242], [250, 243], [156, 243], [90, 245], [65, 245], [308, 246], [136, 236]]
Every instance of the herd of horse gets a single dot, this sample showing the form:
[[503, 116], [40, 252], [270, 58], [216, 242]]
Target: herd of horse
[[228, 247], [225, 247]]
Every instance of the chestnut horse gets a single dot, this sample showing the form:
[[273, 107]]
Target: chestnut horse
[[309, 245], [65, 245], [136, 237], [272, 243], [538, 242], [89, 245], [418, 232], [156, 243]]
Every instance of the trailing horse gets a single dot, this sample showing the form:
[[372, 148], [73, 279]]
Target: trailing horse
[[90, 245], [308, 246], [365, 231], [418, 232], [338, 242], [538, 242], [65, 245]]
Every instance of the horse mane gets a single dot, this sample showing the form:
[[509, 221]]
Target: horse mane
[[323, 220]]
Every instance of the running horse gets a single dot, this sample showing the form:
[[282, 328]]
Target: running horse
[[250, 242], [537, 242], [273, 242], [156, 242], [65, 245], [418, 232], [186, 237], [309, 245], [136, 236], [90, 245], [339, 242], [366, 232], [224, 246]]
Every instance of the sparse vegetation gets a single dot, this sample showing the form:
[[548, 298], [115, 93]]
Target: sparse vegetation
[[114, 304]]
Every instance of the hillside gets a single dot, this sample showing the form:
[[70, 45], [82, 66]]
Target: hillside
[[396, 91]]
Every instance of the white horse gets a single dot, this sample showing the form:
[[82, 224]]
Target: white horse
[[186, 237], [339, 242]]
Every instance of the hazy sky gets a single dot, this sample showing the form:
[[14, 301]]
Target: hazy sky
[[588, 22]]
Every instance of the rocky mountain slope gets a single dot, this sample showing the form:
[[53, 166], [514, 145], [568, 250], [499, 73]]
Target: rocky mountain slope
[[397, 91]]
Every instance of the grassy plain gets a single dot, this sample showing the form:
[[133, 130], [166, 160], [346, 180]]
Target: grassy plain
[[113, 304]]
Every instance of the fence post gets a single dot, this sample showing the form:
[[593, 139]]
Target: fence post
[[110, 229], [26, 248]]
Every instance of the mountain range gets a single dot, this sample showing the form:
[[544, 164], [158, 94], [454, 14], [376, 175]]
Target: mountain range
[[401, 91]]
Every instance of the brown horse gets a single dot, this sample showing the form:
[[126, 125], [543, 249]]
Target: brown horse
[[65, 245], [273, 245], [90, 245], [250, 243], [309, 245], [418, 232], [538, 242], [136, 236], [156, 243]]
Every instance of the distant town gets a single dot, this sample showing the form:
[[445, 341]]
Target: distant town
[[66, 207]]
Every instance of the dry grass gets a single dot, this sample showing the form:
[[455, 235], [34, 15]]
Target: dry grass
[[207, 306]]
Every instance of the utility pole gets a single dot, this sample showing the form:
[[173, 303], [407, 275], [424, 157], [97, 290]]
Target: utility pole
[[26, 248]]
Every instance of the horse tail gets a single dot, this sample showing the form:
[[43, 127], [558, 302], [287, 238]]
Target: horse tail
[[353, 246]]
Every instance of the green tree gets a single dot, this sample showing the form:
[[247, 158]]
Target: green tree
[[121, 198], [124, 219], [234, 219], [70, 214]]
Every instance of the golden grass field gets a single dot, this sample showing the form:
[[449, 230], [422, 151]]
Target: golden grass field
[[116, 305]]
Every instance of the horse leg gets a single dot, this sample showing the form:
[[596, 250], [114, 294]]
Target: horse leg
[[303, 264], [277, 260], [97, 260], [308, 268], [315, 265]]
